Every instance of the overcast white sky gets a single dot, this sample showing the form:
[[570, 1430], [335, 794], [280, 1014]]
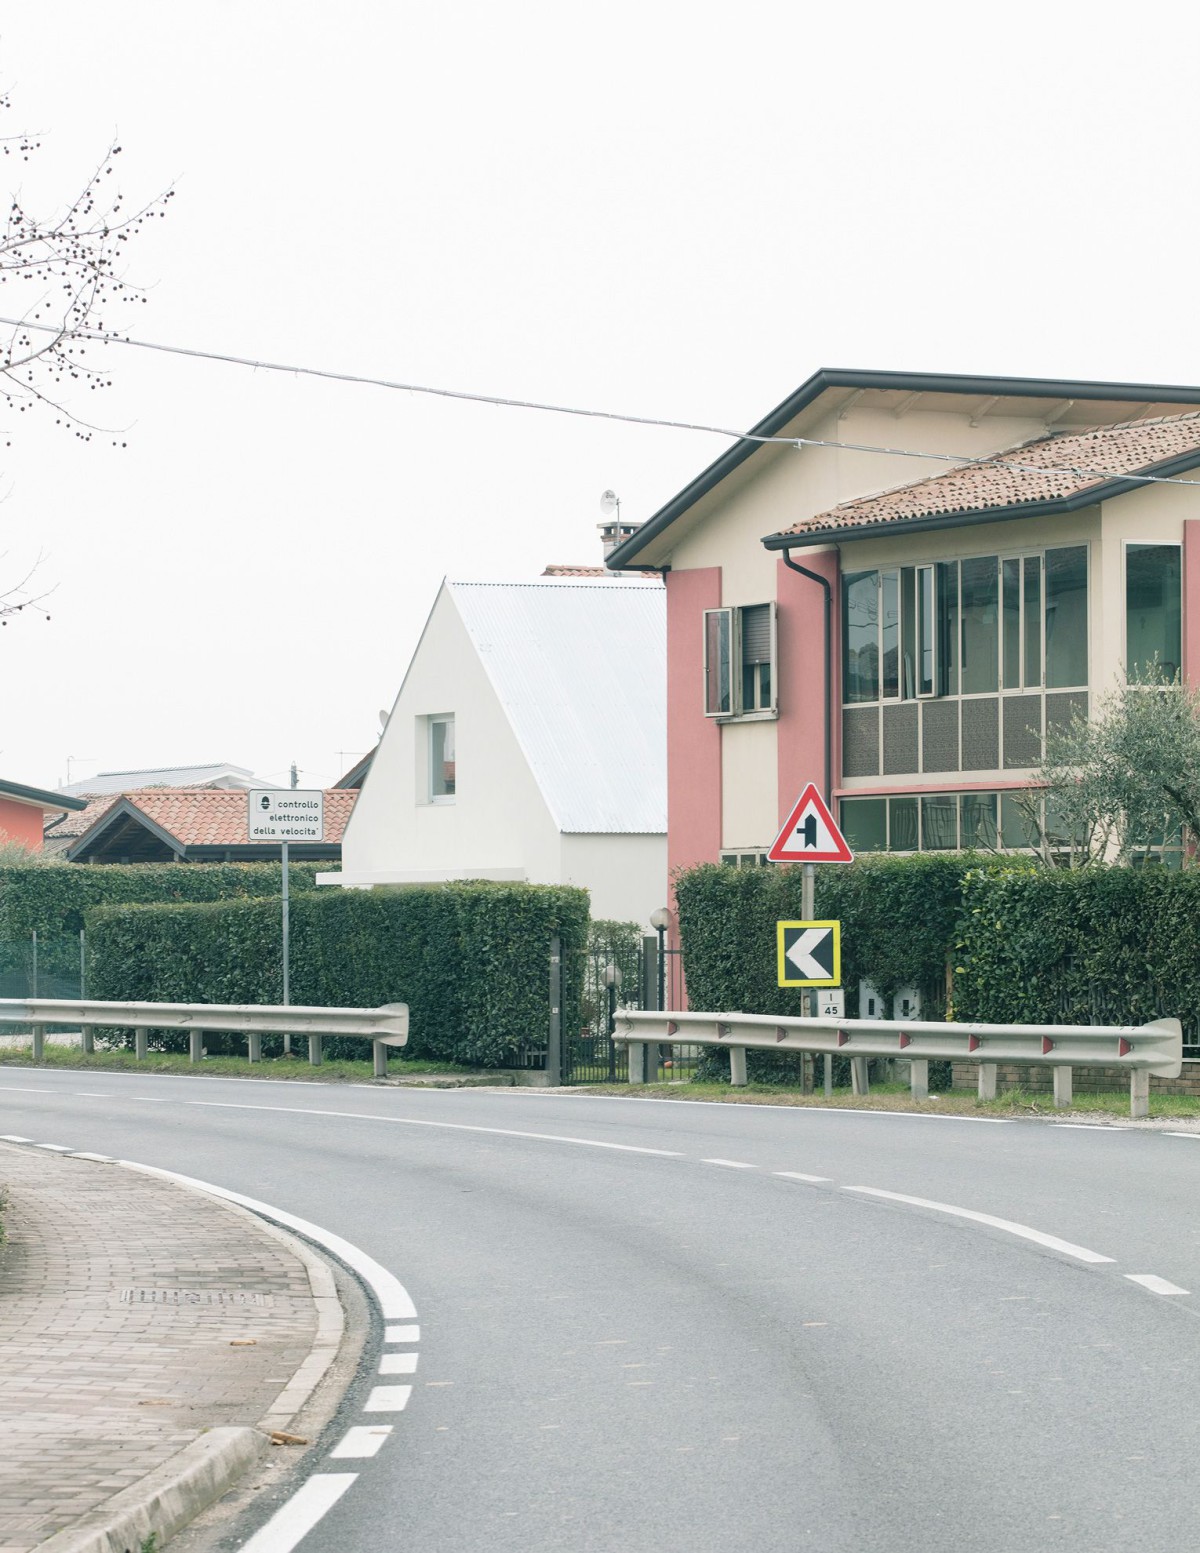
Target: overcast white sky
[[667, 210]]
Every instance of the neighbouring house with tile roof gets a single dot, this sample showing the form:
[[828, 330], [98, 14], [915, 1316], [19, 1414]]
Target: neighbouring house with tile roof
[[25, 810], [184, 825], [527, 742], [898, 597]]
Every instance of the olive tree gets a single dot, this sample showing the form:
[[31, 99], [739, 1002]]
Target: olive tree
[[1124, 782]]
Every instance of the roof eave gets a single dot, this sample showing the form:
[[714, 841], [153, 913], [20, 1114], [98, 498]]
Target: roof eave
[[1051, 507], [623, 556], [41, 797]]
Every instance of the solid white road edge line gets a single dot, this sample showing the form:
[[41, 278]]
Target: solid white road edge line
[[1052, 1242], [1195, 1135], [413, 1121], [798, 1175], [390, 1293], [301, 1513], [361, 1441], [1154, 1283]]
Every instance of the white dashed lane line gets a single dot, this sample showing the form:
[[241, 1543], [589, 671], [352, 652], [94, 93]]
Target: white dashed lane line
[[730, 1164], [388, 1399], [398, 1364], [1154, 1283], [798, 1175], [402, 1335], [300, 1514], [360, 1442]]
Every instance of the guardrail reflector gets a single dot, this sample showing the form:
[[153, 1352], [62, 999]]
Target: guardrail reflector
[[1047, 1045], [672, 1027], [1123, 1047], [723, 1032], [905, 1040], [973, 1043], [780, 1033], [842, 1038]]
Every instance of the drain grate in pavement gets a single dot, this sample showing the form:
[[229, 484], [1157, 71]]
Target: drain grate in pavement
[[194, 1297]]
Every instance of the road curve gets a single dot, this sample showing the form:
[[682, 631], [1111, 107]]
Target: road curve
[[669, 1326]]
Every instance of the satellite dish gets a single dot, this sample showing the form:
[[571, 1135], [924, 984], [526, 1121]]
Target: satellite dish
[[383, 721], [610, 502]]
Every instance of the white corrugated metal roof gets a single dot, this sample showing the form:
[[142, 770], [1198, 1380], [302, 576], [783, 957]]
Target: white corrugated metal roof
[[581, 671]]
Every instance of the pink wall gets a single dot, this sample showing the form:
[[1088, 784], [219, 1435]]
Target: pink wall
[[693, 740], [1191, 601], [22, 823], [801, 725]]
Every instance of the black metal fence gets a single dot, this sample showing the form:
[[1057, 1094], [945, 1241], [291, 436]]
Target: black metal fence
[[623, 970]]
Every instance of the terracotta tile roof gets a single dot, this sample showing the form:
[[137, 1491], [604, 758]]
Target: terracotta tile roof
[[1048, 469], [595, 571], [208, 816], [63, 832]]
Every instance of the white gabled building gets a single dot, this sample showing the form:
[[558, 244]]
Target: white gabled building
[[528, 742]]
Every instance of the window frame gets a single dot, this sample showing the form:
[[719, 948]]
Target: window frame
[[443, 720], [723, 682]]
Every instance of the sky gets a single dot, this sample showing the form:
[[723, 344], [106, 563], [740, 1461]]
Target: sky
[[661, 210]]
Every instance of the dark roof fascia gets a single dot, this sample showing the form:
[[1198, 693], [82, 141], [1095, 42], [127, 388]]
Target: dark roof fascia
[[40, 795], [356, 776], [1053, 507], [622, 556], [121, 810]]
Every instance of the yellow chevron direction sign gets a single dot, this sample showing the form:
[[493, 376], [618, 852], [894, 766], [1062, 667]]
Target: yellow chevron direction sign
[[809, 954]]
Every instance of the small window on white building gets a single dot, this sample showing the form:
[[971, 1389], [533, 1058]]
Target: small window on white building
[[441, 760]]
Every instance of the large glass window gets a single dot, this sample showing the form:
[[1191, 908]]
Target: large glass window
[[939, 822], [1066, 618], [860, 635], [1153, 612], [980, 617]]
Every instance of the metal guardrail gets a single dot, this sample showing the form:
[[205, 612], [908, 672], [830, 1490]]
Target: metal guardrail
[[1155, 1048], [386, 1026]]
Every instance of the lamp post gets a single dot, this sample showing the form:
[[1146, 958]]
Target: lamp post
[[660, 920], [612, 980]]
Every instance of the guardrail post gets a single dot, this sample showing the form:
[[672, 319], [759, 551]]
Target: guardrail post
[[987, 1080], [860, 1082], [737, 1066], [314, 1051], [828, 1076], [1139, 1092], [39, 1042], [918, 1078], [637, 1061], [1062, 1088], [195, 1045], [254, 1045], [379, 1055], [89, 1039], [139, 1045]]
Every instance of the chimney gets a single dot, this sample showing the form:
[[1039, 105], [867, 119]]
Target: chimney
[[612, 532]]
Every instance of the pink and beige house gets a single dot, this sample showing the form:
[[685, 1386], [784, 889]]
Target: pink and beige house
[[902, 592]]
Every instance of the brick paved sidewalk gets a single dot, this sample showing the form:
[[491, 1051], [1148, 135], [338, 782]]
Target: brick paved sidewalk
[[134, 1315]]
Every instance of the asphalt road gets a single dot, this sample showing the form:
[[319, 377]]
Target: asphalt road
[[642, 1328]]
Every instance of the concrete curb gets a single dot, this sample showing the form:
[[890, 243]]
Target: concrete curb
[[165, 1500]]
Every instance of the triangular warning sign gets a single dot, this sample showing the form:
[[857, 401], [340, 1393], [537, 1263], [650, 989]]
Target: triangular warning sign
[[810, 834]]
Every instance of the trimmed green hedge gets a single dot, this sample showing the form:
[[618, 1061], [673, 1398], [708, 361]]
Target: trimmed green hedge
[[470, 959], [899, 917], [52, 901], [1086, 946]]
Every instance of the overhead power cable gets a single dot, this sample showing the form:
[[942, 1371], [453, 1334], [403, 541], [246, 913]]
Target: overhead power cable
[[1079, 472]]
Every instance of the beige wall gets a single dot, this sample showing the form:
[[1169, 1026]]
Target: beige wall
[[1153, 515], [626, 875]]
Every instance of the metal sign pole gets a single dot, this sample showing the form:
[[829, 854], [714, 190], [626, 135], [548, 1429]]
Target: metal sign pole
[[287, 997]]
